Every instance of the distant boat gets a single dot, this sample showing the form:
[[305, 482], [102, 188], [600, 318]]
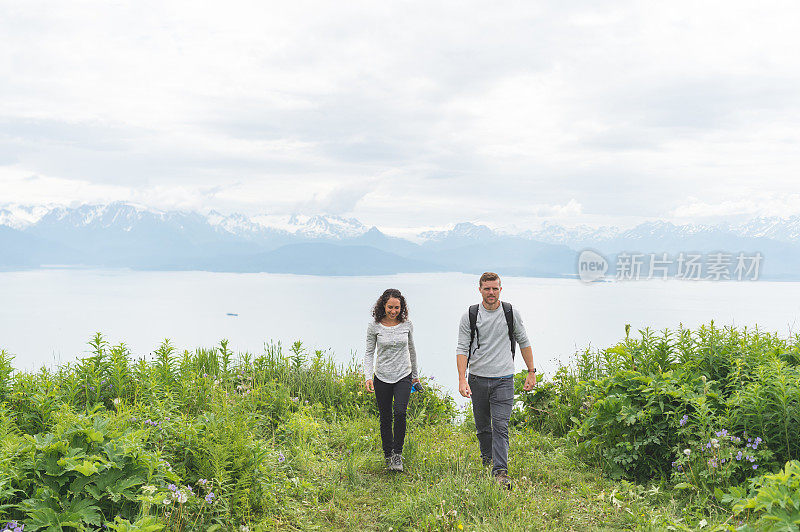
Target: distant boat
[[231, 314]]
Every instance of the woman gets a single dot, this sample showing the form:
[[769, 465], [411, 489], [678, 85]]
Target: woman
[[389, 337]]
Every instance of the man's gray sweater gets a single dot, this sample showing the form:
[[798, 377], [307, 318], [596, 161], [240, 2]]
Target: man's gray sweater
[[491, 348]]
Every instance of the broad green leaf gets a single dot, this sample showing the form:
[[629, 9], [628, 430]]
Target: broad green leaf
[[87, 468]]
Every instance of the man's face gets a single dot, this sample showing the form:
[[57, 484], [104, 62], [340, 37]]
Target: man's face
[[490, 291]]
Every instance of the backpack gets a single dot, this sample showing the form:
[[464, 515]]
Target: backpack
[[473, 328]]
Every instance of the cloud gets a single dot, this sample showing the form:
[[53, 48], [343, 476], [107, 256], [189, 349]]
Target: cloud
[[547, 109], [764, 204]]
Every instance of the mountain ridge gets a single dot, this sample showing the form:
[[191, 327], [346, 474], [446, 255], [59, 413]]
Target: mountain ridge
[[124, 234]]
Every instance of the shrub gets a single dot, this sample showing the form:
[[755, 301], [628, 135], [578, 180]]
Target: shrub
[[774, 498]]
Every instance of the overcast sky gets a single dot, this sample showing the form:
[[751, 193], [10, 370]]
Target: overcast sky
[[406, 114]]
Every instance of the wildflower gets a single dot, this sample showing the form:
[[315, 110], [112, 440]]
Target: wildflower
[[202, 482], [281, 458], [684, 419], [687, 452], [210, 497], [173, 488], [181, 497], [715, 443], [167, 501], [117, 401], [149, 489], [755, 466], [739, 455], [244, 528]]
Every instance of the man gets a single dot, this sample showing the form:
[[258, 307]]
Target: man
[[489, 354]]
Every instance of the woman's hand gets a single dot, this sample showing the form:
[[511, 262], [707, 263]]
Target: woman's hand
[[369, 386]]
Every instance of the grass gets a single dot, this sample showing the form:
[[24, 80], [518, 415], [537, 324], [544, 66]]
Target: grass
[[444, 486], [287, 441]]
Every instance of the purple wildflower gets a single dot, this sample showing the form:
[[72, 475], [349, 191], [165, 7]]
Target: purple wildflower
[[281, 458], [684, 419], [172, 487], [755, 466], [210, 497]]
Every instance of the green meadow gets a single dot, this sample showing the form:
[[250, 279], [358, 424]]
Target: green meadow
[[675, 430]]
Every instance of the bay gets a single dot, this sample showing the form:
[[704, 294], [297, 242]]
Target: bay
[[48, 315]]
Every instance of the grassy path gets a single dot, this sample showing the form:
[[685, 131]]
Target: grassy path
[[444, 486]]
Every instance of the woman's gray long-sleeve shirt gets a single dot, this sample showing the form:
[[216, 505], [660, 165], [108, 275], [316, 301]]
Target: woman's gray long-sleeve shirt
[[390, 354]]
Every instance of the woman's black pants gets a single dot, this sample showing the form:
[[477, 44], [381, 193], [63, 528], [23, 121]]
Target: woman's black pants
[[400, 391]]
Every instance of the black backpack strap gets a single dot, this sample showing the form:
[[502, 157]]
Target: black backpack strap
[[509, 312], [473, 330]]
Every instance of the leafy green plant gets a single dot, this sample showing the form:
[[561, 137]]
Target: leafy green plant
[[629, 426], [718, 462], [774, 498], [86, 470]]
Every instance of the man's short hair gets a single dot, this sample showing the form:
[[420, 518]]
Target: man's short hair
[[488, 276]]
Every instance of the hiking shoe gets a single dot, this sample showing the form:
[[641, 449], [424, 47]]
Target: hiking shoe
[[396, 462], [503, 481], [388, 462]]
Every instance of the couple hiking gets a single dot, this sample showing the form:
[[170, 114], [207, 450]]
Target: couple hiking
[[487, 338]]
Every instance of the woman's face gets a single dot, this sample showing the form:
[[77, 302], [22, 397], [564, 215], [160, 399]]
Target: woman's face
[[392, 308]]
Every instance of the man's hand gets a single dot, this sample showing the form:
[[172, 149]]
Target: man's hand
[[530, 382], [369, 386], [414, 381], [463, 388]]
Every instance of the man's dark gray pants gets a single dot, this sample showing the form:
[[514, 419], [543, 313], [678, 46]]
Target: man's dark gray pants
[[492, 400]]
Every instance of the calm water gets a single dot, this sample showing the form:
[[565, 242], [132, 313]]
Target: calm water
[[47, 316]]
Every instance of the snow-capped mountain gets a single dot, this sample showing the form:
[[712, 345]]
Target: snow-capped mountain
[[122, 234], [775, 228], [464, 231], [21, 216], [314, 227]]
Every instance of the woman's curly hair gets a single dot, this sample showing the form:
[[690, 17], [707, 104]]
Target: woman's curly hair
[[379, 310]]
